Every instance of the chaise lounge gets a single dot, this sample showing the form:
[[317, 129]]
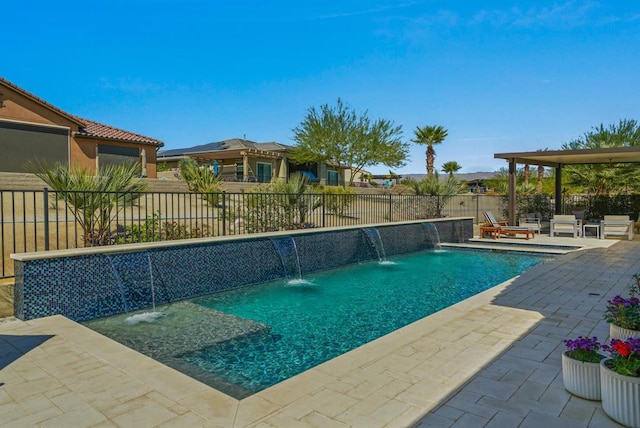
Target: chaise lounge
[[497, 228]]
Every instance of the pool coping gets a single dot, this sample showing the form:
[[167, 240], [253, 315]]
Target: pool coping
[[413, 368], [421, 375]]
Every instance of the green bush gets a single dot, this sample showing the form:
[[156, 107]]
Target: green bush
[[201, 180], [338, 199]]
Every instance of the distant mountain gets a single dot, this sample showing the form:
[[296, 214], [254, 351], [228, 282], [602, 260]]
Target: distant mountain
[[461, 177]]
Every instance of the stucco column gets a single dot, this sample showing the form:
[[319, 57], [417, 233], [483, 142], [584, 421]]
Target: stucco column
[[143, 162], [245, 168], [284, 170]]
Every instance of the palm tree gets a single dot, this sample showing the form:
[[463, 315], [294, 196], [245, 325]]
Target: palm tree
[[540, 177], [451, 167], [94, 199], [430, 136]]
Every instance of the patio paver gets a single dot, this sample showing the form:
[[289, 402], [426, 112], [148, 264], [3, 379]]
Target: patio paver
[[491, 360]]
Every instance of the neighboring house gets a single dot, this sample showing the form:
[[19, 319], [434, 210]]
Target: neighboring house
[[243, 160], [476, 186], [31, 129]]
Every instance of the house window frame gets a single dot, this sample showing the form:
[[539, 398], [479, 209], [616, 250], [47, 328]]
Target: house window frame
[[260, 178], [239, 170], [331, 182]]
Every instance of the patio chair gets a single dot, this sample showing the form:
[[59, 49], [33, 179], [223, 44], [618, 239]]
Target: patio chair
[[565, 224], [498, 228], [616, 225], [532, 221]]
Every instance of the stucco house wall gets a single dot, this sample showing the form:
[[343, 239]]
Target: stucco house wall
[[22, 110]]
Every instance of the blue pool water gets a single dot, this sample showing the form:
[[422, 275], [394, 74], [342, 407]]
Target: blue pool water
[[296, 326]]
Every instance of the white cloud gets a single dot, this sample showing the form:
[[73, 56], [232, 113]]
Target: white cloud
[[568, 14]]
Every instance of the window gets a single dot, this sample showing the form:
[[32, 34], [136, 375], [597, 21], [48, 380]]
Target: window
[[117, 155], [239, 171], [23, 142], [333, 179], [263, 172]]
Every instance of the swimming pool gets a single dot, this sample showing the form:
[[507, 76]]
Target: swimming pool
[[270, 332]]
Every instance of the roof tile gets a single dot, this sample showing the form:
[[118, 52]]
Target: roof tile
[[98, 130]]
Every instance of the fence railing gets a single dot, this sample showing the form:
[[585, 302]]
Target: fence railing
[[51, 220]]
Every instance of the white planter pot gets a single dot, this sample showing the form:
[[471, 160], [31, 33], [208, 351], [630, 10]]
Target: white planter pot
[[620, 396], [580, 378], [616, 332]]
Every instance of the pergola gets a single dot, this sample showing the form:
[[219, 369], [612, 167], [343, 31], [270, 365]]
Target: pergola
[[557, 159]]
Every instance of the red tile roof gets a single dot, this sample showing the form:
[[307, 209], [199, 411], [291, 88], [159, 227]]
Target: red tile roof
[[88, 128], [93, 129]]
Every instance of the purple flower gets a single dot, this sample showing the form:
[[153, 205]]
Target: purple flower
[[624, 312], [583, 343]]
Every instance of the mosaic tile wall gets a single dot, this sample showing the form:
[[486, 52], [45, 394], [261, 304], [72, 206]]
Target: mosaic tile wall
[[98, 285]]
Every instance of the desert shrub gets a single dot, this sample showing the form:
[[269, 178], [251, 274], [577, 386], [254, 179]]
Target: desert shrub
[[338, 199]]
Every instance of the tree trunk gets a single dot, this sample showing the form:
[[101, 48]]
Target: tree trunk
[[540, 177], [526, 174], [431, 156]]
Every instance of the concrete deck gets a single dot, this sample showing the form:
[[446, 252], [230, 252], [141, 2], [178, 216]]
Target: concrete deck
[[492, 360]]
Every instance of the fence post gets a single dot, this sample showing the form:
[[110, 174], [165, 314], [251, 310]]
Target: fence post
[[323, 211], [438, 206], [224, 213], [390, 207], [45, 200], [477, 209]]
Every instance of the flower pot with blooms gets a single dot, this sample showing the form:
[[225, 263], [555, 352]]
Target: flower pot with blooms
[[581, 367], [623, 314], [620, 381]]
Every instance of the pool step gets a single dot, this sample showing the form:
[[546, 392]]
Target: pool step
[[186, 326], [528, 246]]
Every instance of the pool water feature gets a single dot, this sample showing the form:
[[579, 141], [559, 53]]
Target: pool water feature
[[376, 242], [88, 283], [276, 330], [288, 252]]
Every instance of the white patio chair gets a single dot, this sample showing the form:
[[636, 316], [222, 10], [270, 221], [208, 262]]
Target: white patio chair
[[531, 221], [565, 224], [616, 225]]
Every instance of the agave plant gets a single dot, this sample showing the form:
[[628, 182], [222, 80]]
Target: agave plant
[[297, 200], [94, 200], [201, 180]]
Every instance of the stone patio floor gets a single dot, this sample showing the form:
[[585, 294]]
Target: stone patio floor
[[490, 361]]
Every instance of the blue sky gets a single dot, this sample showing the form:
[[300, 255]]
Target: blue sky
[[501, 76]]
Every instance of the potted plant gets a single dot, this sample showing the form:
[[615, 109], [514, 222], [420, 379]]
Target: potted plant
[[620, 381], [581, 367], [623, 314]]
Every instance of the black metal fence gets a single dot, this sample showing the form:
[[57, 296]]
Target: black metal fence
[[51, 220]]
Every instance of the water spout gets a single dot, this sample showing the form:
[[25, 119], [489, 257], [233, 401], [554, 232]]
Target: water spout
[[288, 252], [153, 290], [376, 242], [120, 284], [431, 234], [147, 317]]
